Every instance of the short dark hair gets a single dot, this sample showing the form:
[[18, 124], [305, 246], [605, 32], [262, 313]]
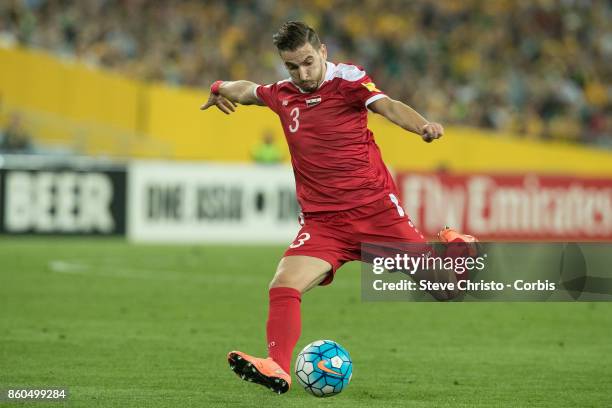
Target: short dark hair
[[293, 34]]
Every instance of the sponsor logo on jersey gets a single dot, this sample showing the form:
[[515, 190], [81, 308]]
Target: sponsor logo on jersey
[[310, 102], [370, 86]]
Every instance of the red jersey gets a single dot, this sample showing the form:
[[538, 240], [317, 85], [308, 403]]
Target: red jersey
[[336, 163]]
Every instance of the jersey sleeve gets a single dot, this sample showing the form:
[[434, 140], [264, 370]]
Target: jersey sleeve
[[360, 90], [268, 94]]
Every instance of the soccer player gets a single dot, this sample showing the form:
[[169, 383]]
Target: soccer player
[[345, 191]]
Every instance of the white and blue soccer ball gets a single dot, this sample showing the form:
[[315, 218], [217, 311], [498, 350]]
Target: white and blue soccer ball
[[324, 368]]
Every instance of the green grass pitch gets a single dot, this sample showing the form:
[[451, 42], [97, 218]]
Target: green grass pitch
[[135, 326]]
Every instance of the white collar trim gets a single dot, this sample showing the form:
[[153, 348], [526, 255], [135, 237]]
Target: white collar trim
[[330, 72]]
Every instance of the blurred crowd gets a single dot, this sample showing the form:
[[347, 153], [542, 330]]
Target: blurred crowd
[[540, 68]]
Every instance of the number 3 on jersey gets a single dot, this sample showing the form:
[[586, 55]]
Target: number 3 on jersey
[[295, 114], [300, 239]]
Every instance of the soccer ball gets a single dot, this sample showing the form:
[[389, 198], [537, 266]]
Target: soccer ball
[[324, 368]]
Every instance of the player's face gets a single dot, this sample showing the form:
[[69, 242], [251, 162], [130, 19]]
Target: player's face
[[306, 65]]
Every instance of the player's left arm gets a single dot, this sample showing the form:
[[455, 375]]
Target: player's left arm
[[407, 118]]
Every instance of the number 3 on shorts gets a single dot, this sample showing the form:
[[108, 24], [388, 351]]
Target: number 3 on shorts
[[303, 237]]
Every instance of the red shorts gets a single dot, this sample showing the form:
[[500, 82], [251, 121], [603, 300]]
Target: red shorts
[[336, 236]]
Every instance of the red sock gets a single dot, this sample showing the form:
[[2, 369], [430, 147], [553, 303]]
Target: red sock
[[284, 325]]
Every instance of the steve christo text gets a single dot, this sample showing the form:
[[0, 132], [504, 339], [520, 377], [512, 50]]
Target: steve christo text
[[426, 262], [464, 285]]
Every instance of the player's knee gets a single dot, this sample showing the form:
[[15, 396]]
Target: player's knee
[[299, 281], [300, 273], [283, 280]]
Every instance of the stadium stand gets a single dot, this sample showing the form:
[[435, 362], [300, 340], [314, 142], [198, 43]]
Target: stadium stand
[[533, 68]]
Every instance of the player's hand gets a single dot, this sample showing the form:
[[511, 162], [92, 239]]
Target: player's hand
[[432, 131], [222, 103]]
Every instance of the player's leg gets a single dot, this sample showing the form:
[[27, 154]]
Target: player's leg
[[294, 275], [399, 228], [459, 245], [386, 231], [439, 276], [300, 272], [456, 245], [310, 260]]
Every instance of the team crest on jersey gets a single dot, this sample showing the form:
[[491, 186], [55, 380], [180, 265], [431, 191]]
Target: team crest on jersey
[[310, 102], [370, 86], [285, 102]]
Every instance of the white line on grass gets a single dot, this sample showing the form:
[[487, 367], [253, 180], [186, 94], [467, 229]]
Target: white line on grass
[[76, 267]]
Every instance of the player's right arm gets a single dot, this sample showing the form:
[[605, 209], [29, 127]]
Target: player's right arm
[[407, 118], [226, 94]]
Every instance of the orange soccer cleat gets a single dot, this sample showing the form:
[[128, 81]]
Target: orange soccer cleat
[[449, 235], [263, 371]]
